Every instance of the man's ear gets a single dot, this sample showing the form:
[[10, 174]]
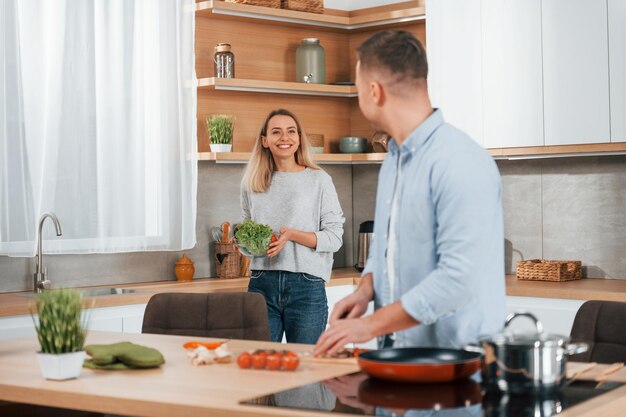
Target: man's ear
[[377, 93]]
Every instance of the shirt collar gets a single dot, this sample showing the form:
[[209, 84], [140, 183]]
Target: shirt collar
[[419, 136]]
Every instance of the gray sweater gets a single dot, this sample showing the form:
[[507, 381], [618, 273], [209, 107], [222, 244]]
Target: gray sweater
[[305, 200]]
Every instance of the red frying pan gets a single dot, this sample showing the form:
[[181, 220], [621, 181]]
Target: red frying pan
[[420, 364]]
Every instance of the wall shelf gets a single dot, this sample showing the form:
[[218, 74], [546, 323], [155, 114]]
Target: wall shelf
[[276, 87], [344, 22], [322, 158], [559, 151]]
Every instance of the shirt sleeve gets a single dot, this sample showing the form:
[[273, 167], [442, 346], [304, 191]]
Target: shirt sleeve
[[244, 201], [330, 235], [466, 195]]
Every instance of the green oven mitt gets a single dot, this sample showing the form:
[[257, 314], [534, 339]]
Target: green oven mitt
[[126, 353]]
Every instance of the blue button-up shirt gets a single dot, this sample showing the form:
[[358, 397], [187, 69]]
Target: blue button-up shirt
[[449, 249]]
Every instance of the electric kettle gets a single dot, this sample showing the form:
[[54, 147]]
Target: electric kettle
[[366, 234]]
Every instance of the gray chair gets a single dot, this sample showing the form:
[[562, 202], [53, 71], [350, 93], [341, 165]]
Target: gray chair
[[601, 324], [237, 315]]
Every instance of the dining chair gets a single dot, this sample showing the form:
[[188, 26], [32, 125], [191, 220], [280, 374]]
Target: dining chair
[[236, 315], [601, 324]]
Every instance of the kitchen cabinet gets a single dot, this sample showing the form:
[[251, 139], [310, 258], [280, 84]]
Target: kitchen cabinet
[[127, 319], [512, 73], [264, 42], [617, 68], [576, 71], [453, 43]]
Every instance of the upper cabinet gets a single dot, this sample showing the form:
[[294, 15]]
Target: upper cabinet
[[454, 60], [551, 74], [576, 71], [512, 73], [617, 68]]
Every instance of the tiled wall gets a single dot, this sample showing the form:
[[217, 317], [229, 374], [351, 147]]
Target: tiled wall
[[562, 208], [218, 201]]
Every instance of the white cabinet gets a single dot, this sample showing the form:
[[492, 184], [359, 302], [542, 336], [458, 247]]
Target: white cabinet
[[512, 73], [453, 38], [556, 315], [617, 68], [127, 319], [575, 71]]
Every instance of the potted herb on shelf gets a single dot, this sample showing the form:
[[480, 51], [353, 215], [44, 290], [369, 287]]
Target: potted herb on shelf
[[61, 330], [220, 130]]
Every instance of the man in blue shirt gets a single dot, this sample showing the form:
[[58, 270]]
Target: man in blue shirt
[[436, 267]]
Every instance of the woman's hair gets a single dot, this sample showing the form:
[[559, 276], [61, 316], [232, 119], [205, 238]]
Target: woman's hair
[[258, 174]]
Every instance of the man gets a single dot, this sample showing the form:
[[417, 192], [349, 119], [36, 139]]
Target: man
[[436, 266]]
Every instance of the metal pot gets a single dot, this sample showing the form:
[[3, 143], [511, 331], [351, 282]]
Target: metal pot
[[526, 363]]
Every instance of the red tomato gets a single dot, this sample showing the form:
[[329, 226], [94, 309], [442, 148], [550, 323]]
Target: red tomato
[[274, 361], [274, 238], [259, 360], [290, 362], [244, 360]]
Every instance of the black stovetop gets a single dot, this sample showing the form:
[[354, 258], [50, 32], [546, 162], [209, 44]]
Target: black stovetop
[[361, 395]]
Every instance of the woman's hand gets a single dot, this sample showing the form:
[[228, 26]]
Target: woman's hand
[[308, 239], [277, 245]]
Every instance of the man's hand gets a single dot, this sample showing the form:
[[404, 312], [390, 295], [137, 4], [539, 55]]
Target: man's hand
[[342, 332], [354, 305]]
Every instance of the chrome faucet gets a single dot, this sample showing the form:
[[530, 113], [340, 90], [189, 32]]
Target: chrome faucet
[[40, 282]]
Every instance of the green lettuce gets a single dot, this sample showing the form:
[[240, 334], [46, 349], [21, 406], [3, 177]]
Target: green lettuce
[[254, 237]]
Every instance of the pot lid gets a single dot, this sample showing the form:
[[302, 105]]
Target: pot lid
[[538, 338]]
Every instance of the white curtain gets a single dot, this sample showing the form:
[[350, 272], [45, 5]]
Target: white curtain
[[97, 119]]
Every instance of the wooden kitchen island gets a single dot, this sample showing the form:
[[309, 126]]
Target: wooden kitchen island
[[180, 389]]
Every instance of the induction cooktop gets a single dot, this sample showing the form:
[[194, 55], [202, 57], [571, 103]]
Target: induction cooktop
[[358, 394]]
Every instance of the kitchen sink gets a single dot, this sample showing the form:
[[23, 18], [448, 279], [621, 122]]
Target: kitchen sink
[[97, 292]]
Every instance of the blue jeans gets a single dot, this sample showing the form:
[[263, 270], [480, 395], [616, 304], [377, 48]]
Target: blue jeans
[[296, 304]]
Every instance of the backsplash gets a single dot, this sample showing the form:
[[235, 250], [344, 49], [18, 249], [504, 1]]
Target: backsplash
[[561, 208]]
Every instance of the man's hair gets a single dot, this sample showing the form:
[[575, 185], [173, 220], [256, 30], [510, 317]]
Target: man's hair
[[396, 51]]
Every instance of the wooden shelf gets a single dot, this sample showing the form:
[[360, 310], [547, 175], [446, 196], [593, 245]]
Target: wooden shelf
[[323, 158], [536, 152], [533, 152], [277, 87], [347, 22]]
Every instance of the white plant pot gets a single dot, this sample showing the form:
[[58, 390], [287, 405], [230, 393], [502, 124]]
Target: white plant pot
[[220, 147], [61, 366]]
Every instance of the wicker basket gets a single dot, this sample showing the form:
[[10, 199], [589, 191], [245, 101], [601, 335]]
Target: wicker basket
[[227, 260], [545, 270], [265, 3], [311, 6]]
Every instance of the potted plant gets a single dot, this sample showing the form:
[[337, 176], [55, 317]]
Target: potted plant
[[61, 330], [220, 130]]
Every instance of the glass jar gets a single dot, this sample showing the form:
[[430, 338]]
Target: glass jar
[[311, 62], [224, 61]]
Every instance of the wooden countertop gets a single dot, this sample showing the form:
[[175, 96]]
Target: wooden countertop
[[13, 304], [180, 389]]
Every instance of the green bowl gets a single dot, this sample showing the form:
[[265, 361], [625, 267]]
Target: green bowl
[[352, 144]]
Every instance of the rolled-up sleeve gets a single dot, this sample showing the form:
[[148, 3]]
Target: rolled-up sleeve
[[467, 208], [330, 235]]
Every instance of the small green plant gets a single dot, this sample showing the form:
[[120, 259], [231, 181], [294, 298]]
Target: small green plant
[[220, 129], [60, 328]]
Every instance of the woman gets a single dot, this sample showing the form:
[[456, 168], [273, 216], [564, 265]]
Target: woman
[[283, 188]]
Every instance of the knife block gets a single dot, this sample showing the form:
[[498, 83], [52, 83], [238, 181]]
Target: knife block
[[227, 260]]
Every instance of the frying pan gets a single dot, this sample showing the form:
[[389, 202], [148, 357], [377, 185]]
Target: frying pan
[[420, 364]]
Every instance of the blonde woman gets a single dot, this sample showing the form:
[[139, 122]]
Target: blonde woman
[[283, 188]]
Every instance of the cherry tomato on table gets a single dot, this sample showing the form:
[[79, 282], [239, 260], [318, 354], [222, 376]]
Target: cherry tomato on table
[[274, 361], [244, 360], [290, 361], [259, 360]]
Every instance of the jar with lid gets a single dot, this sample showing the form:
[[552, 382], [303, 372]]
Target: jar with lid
[[311, 62], [224, 61]]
